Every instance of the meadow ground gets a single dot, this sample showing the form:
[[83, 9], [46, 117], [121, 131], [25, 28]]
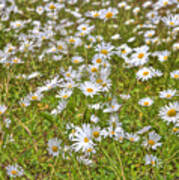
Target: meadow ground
[[88, 89]]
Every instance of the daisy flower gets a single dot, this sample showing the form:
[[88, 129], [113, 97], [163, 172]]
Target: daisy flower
[[94, 118], [114, 121], [54, 146], [140, 57], [105, 49], [84, 160], [175, 129], [82, 138], [132, 137], [122, 4], [96, 133], [120, 136], [64, 93], [125, 96], [150, 159], [111, 131], [145, 73], [144, 130], [162, 3], [70, 84], [90, 89], [98, 59], [14, 170], [175, 74], [145, 101], [136, 10], [170, 113], [3, 108], [24, 102], [171, 20], [74, 41], [85, 28], [77, 59], [109, 13], [149, 34], [176, 46], [61, 106], [61, 46], [112, 107], [152, 141], [123, 50], [93, 14], [36, 96], [163, 55], [168, 94], [40, 10]]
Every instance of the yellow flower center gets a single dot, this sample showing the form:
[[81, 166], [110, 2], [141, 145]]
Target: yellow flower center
[[71, 40], [10, 49], [165, 3], [94, 69], [113, 106], [81, 34], [104, 51], [13, 172], [73, 131], [99, 60], [131, 139], [34, 97], [60, 47], [54, 148], [68, 74], [175, 129], [83, 28], [96, 15], [109, 15], [65, 96], [96, 134], [90, 90], [76, 61], [120, 138], [150, 35], [0, 112], [148, 41], [18, 25], [15, 60], [23, 104], [176, 76], [140, 55], [89, 150], [104, 84], [151, 142], [168, 95], [146, 103], [165, 58], [123, 51], [145, 73], [52, 6], [153, 162], [86, 140], [27, 45], [99, 81], [171, 23], [112, 132], [171, 113]]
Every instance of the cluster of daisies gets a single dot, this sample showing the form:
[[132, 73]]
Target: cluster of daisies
[[90, 76]]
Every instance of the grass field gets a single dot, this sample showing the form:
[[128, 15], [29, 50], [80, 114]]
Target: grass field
[[89, 90]]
